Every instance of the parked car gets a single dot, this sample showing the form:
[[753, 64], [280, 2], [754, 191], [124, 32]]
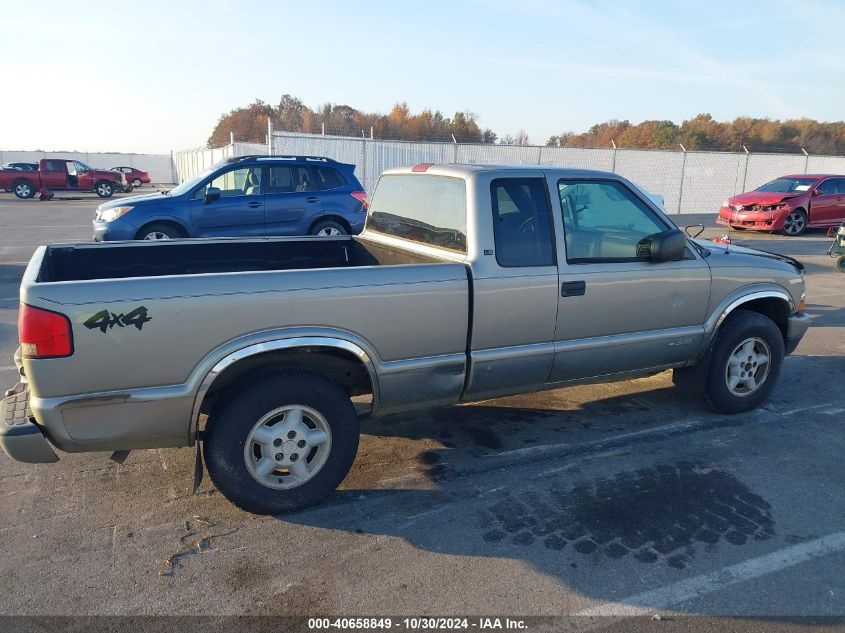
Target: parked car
[[20, 166], [790, 204], [58, 174], [469, 282], [134, 177], [244, 196]]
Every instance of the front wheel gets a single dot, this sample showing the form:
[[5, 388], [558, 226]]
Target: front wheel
[[104, 189], [745, 363], [795, 223], [281, 442], [840, 263]]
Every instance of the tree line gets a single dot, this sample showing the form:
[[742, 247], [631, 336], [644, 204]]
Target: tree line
[[291, 115], [700, 132], [704, 132]]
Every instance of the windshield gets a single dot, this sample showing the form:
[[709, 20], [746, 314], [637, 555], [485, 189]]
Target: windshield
[[189, 184], [427, 209], [788, 185]]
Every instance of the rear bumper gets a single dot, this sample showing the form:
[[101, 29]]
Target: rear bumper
[[796, 328], [20, 438]]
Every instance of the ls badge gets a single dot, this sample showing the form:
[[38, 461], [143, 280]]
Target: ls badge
[[105, 320]]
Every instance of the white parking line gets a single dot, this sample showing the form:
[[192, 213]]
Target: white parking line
[[8, 368], [698, 586]]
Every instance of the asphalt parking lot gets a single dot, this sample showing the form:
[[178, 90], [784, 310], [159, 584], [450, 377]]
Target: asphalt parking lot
[[612, 499]]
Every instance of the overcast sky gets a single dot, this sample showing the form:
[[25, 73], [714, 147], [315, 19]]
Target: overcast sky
[[154, 76]]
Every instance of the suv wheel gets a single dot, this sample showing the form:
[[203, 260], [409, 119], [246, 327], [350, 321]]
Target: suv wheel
[[158, 232], [745, 363], [328, 228], [281, 442]]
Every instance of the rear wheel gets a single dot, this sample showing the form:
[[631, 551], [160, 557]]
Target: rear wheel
[[158, 232], [23, 189], [745, 363], [136, 183], [328, 228], [282, 442], [795, 223], [840, 263], [104, 189]]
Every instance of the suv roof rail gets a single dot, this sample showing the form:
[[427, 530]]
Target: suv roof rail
[[313, 159]]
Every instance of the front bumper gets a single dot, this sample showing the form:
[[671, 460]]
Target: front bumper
[[796, 328], [115, 230], [754, 220], [20, 437]]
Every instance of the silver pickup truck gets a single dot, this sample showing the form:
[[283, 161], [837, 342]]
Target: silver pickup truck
[[469, 282]]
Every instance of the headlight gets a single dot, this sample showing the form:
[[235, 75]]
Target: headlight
[[114, 213]]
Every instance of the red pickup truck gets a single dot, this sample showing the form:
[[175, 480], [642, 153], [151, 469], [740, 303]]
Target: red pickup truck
[[58, 174]]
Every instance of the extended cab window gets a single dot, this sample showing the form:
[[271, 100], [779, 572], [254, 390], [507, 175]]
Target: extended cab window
[[245, 181], [422, 208], [522, 222], [604, 221]]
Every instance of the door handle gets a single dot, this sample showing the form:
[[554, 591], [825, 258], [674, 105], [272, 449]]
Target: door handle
[[573, 288], [253, 205], [312, 199]]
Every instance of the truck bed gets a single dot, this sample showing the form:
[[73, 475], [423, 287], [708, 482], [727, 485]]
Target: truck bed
[[76, 262]]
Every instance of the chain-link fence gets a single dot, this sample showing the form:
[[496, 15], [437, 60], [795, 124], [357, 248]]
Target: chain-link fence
[[690, 181], [190, 162]]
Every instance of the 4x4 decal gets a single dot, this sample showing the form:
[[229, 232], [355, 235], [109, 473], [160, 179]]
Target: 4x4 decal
[[105, 320]]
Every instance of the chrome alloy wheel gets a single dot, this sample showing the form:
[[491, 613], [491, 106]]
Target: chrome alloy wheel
[[328, 231], [156, 235], [748, 367], [104, 189], [288, 446], [23, 190]]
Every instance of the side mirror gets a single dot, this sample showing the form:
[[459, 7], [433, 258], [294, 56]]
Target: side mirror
[[815, 192], [211, 194], [663, 247]]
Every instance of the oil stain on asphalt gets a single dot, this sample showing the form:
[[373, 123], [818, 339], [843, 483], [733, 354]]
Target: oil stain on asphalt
[[662, 513]]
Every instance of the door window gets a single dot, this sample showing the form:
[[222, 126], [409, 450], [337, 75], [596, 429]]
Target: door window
[[828, 187], [522, 222], [604, 221], [245, 181], [328, 178], [290, 179]]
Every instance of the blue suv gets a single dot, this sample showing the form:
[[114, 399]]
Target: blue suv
[[244, 196]]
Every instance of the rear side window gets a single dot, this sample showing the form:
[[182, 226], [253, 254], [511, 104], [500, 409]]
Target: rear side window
[[54, 165], [522, 222], [328, 178], [829, 187], [290, 179], [423, 208]]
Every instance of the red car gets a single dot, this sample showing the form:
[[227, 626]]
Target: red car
[[790, 204], [134, 177], [58, 174]]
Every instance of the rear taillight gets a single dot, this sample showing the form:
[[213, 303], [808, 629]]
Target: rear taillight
[[44, 334], [361, 196]]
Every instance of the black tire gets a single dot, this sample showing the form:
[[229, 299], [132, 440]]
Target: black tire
[[795, 223], [743, 326], [232, 421], [136, 183], [163, 232], [104, 189], [328, 227], [840, 263], [23, 189]]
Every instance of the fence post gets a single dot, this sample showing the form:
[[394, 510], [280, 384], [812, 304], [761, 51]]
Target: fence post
[[806, 160], [269, 136], [683, 171], [364, 158], [613, 165], [454, 149], [745, 171], [539, 154]]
